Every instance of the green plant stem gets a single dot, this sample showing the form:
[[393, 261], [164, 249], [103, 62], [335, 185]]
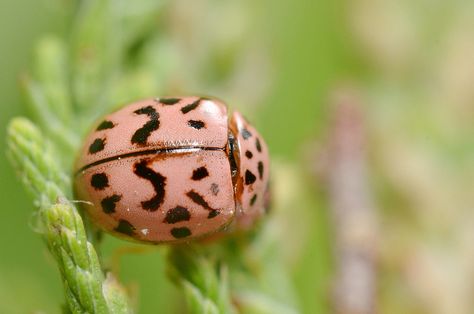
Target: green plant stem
[[237, 274], [86, 289], [204, 281]]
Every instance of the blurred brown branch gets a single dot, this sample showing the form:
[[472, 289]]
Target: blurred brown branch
[[345, 174]]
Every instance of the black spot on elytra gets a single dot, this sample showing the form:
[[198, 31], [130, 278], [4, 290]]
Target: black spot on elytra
[[180, 232], [169, 101], [177, 214], [99, 181], [141, 135], [156, 179], [253, 199], [190, 107], [108, 203], [213, 213], [249, 177], [200, 173], [198, 199], [258, 145], [97, 146], [196, 124], [245, 133], [214, 189], [105, 125], [248, 154], [125, 227], [260, 170]]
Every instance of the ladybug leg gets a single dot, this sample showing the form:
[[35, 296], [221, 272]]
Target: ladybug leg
[[127, 250], [268, 199]]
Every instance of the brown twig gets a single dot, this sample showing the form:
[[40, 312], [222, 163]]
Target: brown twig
[[352, 208]]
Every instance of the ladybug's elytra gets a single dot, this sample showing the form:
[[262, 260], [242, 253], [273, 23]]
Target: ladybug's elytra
[[172, 169]]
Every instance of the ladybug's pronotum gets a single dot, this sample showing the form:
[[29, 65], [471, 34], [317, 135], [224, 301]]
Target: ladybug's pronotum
[[172, 169]]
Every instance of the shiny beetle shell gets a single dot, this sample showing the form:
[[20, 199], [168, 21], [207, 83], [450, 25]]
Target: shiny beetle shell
[[172, 169]]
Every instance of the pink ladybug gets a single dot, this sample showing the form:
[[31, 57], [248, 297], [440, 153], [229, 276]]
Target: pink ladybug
[[172, 169]]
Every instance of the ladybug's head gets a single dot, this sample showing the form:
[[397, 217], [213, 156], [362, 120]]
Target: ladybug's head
[[251, 180]]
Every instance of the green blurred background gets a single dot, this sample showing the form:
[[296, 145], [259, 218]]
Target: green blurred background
[[411, 65]]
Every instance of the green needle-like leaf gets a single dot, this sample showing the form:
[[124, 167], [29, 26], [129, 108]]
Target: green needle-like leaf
[[61, 223]]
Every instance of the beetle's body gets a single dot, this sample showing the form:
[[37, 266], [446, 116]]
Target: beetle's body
[[164, 170]]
